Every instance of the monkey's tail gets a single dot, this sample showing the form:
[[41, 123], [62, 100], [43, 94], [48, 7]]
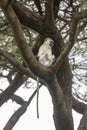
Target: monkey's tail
[[37, 97]]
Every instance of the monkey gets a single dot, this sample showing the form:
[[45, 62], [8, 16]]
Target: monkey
[[46, 58]]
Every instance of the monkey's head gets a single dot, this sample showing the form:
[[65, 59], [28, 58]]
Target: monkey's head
[[49, 42]]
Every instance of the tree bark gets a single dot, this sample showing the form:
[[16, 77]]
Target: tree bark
[[64, 77]]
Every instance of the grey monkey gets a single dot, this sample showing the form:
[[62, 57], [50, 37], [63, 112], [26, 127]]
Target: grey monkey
[[46, 58]]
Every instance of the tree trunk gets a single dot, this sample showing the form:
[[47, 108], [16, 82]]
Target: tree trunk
[[64, 77]]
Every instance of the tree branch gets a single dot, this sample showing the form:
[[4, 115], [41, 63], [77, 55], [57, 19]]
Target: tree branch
[[79, 29], [28, 18], [5, 3], [56, 7], [15, 117], [61, 58], [16, 83], [17, 99], [37, 2], [16, 64], [49, 12], [74, 23], [78, 106]]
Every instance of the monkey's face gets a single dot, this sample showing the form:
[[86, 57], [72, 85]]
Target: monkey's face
[[49, 42]]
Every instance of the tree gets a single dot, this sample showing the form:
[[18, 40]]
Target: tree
[[24, 27]]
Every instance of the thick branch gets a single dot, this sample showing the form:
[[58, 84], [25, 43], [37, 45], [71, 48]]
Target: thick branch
[[17, 99], [5, 3], [49, 12], [78, 106], [28, 18]]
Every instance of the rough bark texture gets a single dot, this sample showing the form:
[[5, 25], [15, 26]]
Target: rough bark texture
[[64, 77]]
